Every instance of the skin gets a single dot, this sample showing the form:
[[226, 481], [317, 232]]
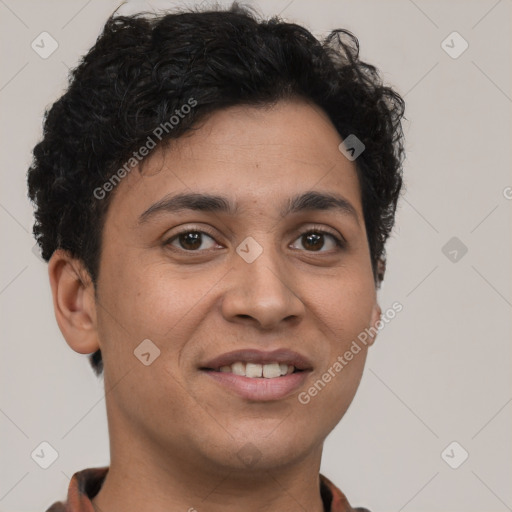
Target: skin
[[175, 434]]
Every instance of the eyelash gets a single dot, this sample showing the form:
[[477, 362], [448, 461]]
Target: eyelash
[[340, 242]]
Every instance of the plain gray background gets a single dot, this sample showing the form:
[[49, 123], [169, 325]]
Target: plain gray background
[[438, 373]]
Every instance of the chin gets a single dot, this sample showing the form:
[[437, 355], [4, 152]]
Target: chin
[[269, 447]]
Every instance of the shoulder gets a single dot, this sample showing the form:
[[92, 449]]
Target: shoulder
[[334, 499], [83, 486]]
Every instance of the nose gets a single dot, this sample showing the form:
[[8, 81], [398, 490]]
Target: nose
[[262, 293]]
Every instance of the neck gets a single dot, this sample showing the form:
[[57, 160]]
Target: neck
[[146, 477]]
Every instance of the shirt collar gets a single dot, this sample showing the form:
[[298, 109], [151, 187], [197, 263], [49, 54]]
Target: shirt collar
[[85, 484]]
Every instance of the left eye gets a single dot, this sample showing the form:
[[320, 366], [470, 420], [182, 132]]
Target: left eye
[[314, 239]]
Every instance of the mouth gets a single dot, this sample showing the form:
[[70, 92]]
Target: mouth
[[259, 364], [257, 375], [272, 370]]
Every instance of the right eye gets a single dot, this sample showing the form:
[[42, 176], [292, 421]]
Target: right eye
[[189, 240]]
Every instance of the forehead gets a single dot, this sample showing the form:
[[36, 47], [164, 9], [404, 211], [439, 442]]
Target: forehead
[[257, 156]]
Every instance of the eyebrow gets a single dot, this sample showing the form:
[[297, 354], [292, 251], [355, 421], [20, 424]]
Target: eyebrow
[[308, 201]]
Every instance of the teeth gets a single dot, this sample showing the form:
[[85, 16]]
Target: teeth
[[271, 370], [254, 370], [238, 368]]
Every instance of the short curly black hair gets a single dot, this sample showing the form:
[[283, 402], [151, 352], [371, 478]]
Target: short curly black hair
[[145, 67]]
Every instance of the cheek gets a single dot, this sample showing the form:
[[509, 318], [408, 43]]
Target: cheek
[[133, 306], [343, 311], [344, 305], [146, 301], [151, 302], [139, 305], [329, 394]]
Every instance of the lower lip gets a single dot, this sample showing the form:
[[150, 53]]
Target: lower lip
[[260, 389]]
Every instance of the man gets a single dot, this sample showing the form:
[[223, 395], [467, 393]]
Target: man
[[213, 195]]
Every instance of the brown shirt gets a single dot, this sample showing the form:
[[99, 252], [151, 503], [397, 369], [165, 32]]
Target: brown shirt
[[85, 484]]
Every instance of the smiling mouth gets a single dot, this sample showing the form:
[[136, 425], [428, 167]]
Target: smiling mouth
[[257, 371]]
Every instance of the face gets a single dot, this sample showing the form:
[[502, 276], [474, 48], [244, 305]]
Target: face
[[200, 282]]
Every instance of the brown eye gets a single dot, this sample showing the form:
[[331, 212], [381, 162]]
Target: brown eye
[[314, 241], [189, 240]]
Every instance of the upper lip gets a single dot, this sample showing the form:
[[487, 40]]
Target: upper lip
[[282, 356]]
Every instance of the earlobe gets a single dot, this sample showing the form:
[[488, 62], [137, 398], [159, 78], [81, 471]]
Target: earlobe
[[73, 302], [375, 321]]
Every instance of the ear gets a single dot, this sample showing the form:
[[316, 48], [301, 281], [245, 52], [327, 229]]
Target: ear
[[376, 314], [73, 302]]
